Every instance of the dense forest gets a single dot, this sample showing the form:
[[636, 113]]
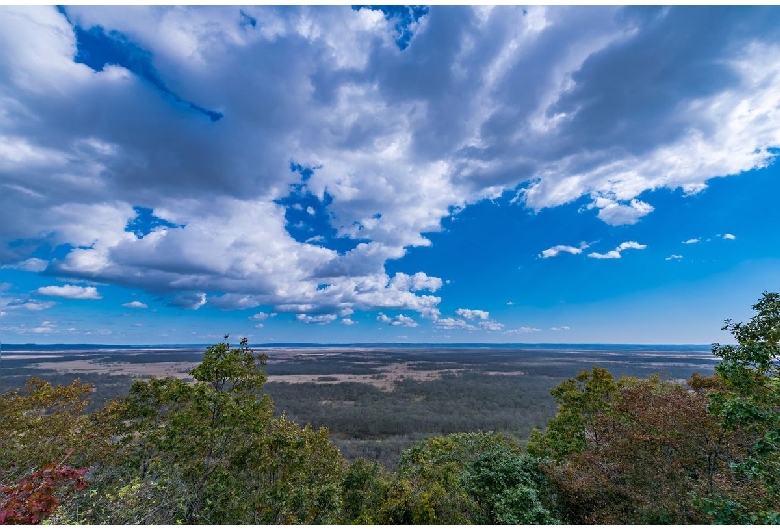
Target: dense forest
[[212, 450]]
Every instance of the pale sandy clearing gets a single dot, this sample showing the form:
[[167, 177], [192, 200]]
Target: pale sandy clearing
[[392, 373]]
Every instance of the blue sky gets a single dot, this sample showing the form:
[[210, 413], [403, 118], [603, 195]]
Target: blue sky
[[365, 174]]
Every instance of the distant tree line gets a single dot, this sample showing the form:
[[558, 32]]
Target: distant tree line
[[618, 450]]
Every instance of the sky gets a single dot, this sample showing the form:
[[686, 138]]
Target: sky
[[387, 174]]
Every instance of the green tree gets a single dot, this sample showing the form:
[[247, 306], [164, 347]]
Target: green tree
[[580, 400], [479, 478], [750, 402], [211, 452], [38, 425]]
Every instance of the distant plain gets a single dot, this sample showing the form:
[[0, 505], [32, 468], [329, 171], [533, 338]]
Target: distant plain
[[377, 400]]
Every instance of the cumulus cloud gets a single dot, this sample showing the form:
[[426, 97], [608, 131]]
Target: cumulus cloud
[[75, 292], [557, 249], [471, 314], [482, 321], [398, 320], [614, 213], [453, 323], [673, 256], [729, 236], [395, 139], [135, 304], [691, 241], [30, 265], [234, 301], [348, 322], [262, 316], [191, 301], [315, 319], [491, 325], [615, 254]]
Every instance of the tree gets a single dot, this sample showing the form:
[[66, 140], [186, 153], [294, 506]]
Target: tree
[[580, 400], [38, 425], [750, 402], [477, 478], [211, 452]]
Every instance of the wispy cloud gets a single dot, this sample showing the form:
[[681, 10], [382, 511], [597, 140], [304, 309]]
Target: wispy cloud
[[692, 241], [557, 249], [615, 254], [673, 256], [523, 329]]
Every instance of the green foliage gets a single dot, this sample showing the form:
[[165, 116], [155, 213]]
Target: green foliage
[[211, 452], [363, 488], [750, 402], [580, 401], [478, 478], [38, 425]]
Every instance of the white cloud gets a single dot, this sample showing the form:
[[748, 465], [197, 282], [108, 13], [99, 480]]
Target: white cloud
[[45, 327], [74, 292], [560, 328], [416, 282], [348, 321], [262, 316], [135, 304], [615, 254], [398, 320], [691, 241], [510, 303], [729, 236], [630, 244], [471, 314], [34, 305], [673, 256], [453, 323], [316, 319], [557, 249], [491, 325], [30, 265], [523, 329], [615, 214], [612, 254]]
